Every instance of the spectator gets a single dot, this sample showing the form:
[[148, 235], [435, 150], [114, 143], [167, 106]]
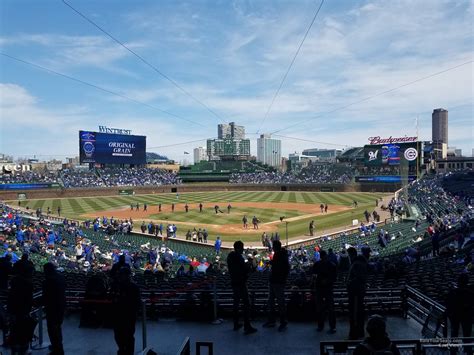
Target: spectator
[[325, 274], [280, 268], [377, 342], [460, 304], [126, 305], [356, 285], [54, 301], [239, 270], [217, 245]]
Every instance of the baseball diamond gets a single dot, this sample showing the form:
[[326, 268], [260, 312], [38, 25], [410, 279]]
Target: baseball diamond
[[298, 208]]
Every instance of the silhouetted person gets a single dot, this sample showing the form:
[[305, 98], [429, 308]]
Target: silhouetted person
[[378, 341], [459, 307], [24, 265], [6, 269], [54, 302], [126, 304], [325, 272], [356, 286], [239, 271], [200, 207], [20, 302], [278, 276]]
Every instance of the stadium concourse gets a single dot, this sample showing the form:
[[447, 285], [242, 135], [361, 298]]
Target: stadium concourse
[[409, 266]]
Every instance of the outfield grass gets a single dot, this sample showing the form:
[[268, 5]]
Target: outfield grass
[[76, 208]]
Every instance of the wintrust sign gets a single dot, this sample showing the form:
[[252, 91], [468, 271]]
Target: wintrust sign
[[391, 140]]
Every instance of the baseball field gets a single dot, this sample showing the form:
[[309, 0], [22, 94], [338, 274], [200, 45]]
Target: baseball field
[[298, 208]]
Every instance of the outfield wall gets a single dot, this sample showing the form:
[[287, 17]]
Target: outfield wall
[[114, 191]]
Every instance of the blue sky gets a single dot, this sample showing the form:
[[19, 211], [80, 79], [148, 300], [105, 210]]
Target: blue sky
[[231, 55]]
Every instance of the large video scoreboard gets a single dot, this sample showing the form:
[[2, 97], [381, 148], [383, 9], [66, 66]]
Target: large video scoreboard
[[391, 160], [105, 148]]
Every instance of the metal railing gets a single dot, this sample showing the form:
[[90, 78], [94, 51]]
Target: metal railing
[[427, 312]]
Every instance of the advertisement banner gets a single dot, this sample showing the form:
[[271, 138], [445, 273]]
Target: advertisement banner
[[21, 196], [105, 148], [32, 186], [385, 178], [127, 192]]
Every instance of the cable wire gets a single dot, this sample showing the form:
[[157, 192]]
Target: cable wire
[[144, 60], [374, 96], [290, 66], [99, 88]]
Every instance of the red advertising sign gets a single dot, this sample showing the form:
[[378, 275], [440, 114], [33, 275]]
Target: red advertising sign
[[391, 140]]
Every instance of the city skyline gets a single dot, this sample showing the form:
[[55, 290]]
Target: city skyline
[[230, 58]]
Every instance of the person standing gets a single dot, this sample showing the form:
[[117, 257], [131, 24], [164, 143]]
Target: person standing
[[19, 305], [59, 211], [356, 287], [239, 271], [325, 274], [459, 307], [159, 207], [172, 207], [321, 206], [145, 206], [131, 207], [200, 207], [245, 222], [54, 302], [126, 304], [137, 207], [217, 245], [278, 276], [311, 228], [186, 208], [216, 208], [228, 208], [326, 208]]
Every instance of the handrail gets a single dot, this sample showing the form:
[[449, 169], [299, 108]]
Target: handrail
[[185, 348]]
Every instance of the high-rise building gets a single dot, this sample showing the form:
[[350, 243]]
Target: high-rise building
[[269, 150], [230, 130], [200, 154], [439, 124]]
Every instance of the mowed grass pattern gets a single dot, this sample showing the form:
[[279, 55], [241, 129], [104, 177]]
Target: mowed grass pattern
[[76, 207]]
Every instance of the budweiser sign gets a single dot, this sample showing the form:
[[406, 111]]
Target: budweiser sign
[[391, 140]]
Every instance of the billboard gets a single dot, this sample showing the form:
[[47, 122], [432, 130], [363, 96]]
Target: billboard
[[392, 154], [105, 148], [385, 178]]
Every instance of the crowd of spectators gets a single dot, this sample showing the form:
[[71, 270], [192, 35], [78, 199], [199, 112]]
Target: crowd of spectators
[[28, 177], [312, 174], [70, 178], [138, 177], [79, 178]]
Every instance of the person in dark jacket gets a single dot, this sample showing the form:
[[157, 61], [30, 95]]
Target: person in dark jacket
[[325, 274], [54, 302], [356, 286], [378, 341], [459, 307], [239, 270], [20, 302], [126, 304], [278, 276], [6, 269]]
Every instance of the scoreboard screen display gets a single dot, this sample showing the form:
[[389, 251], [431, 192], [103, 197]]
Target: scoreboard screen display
[[105, 148], [391, 154]]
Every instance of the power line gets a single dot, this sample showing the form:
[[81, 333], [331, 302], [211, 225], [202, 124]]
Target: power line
[[143, 60], [177, 144], [374, 96], [290, 66], [311, 141], [98, 88]]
